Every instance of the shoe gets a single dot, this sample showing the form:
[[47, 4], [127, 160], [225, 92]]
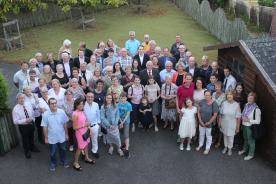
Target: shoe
[[92, 162], [241, 152], [126, 154], [178, 140], [96, 155], [181, 147], [248, 157], [188, 147], [52, 167], [224, 150], [198, 148], [140, 125], [71, 148], [133, 128], [155, 128], [151, 125], [206, 152], [66, 165], [229, 152], [28, 155], [120, 152], [110, 150], [35, 150], [123, 147], [77, 168]]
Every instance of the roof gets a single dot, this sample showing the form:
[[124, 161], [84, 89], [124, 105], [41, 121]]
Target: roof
[[261, 51]]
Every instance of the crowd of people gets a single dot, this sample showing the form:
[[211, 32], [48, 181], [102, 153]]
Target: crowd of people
[[74, 100]]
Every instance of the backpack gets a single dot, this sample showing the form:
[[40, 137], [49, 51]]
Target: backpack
[[258, 130]]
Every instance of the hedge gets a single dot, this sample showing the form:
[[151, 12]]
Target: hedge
[[3, 93], [269, 3]]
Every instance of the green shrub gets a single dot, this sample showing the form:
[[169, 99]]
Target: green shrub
[[3, 92], [266, 2]]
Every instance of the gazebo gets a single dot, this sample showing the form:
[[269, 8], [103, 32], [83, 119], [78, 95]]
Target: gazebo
[[253, 62]]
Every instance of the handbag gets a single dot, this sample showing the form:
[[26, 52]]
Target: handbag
[[103, 130], [258, 130], [86, 135], [169, 104]]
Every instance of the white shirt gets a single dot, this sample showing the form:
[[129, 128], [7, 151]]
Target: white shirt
[[81, 60], [92, 113], [43, 104], [141, 58], [32, 84], [18, 114], [192, 71], [88, 75], [33, 100], [231, 83], [67, 68], [59, 97]]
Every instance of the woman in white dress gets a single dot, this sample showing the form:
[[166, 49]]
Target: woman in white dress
[[229, 121], [187, 127], [57, 92]]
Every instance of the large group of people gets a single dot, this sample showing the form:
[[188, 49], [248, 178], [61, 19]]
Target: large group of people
[[75, 100]]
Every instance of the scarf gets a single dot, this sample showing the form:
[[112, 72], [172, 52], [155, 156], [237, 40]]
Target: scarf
[[248, 109]]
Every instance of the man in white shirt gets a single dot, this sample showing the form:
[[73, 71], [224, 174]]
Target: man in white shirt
[[229, 82], [167, 71], [20, 76], [84, 73], [92, 113], [66, 63], [23, 117]]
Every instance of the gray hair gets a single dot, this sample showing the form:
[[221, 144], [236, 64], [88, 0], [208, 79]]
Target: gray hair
[[168, 62], [66, 42], [179, 64], [59, 66], [19, 95], [131, 32], [149, 62], [64, 54]]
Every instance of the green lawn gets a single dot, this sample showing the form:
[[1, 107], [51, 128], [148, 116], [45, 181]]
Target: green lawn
[[163, 21]]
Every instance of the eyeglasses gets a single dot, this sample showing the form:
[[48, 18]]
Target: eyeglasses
[[53, 103]]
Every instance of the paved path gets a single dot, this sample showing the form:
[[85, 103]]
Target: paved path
[[155, 158]]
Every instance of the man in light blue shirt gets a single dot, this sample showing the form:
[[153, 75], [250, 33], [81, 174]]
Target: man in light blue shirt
[[167, 71], [20, 76], [92, 112], [55, 132], [132, 44]]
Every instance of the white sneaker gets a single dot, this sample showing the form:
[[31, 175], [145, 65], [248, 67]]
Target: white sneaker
[[198, 148], [229, 152], [140, 125], [155, 128], [71, 148], [133, 128], [181, 147], [206, 151], [224, 150], [178, 140], [188, 147], [110, 150], [120, 152], [241, 152], [248, 157]]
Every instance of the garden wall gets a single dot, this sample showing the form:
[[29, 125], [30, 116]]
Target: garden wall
[[215, 22]]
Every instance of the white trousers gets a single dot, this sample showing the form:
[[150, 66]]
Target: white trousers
[[95, 133], [228, 141], [203, 131]]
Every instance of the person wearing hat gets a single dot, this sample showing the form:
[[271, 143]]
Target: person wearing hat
[[31, 81], [23, 117]]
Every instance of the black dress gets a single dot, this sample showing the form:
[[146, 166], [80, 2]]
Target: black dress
[[145, 119], [63, 80]]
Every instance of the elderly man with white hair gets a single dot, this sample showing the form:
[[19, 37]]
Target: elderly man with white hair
[[67, 63], [84, 73], [132, 44], [216, 70], [167, 71], [124, 59], [149, 71], [146, 44], [192, 68], [23, 117], [40, 62]]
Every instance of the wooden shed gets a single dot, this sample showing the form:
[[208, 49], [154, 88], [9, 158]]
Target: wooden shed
[[253, 62]]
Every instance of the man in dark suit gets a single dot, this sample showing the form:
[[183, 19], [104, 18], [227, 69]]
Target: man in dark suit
[[87, 52], [166, 57], [80, 59], [216, 70], [149, 71], [193, 69], [141, 57], [67, 63], [175, 46]]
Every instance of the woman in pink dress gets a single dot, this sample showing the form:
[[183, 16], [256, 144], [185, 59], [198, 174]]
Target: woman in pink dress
[[80, 126]]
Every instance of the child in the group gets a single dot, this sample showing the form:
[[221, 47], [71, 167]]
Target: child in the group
[[145, 113], [187, 127], [135, 94], [211, 85], [152, 92], [124, 111]]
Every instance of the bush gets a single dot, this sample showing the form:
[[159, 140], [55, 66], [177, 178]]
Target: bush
[[3, 93], [269, 3]]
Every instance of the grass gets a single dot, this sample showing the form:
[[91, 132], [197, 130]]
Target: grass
[[162, 21]]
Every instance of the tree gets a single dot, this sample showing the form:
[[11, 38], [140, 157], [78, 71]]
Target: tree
[[15, 6]]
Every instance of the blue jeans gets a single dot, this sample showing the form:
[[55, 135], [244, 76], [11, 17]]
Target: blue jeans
[[62, 153]]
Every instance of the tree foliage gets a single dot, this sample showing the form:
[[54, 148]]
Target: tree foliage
[[269, 3], [3, 93], [15, 6]]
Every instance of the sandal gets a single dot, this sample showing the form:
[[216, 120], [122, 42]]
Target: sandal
[[77, 168], [92, 162]]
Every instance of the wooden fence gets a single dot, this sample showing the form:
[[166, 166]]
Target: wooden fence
[[8, 135], [215, 22]]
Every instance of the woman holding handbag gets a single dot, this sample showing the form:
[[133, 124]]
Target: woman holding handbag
[[168, 94], [82, 132]]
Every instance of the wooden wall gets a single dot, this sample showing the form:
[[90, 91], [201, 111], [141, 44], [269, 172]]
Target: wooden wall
[[247, 73]]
